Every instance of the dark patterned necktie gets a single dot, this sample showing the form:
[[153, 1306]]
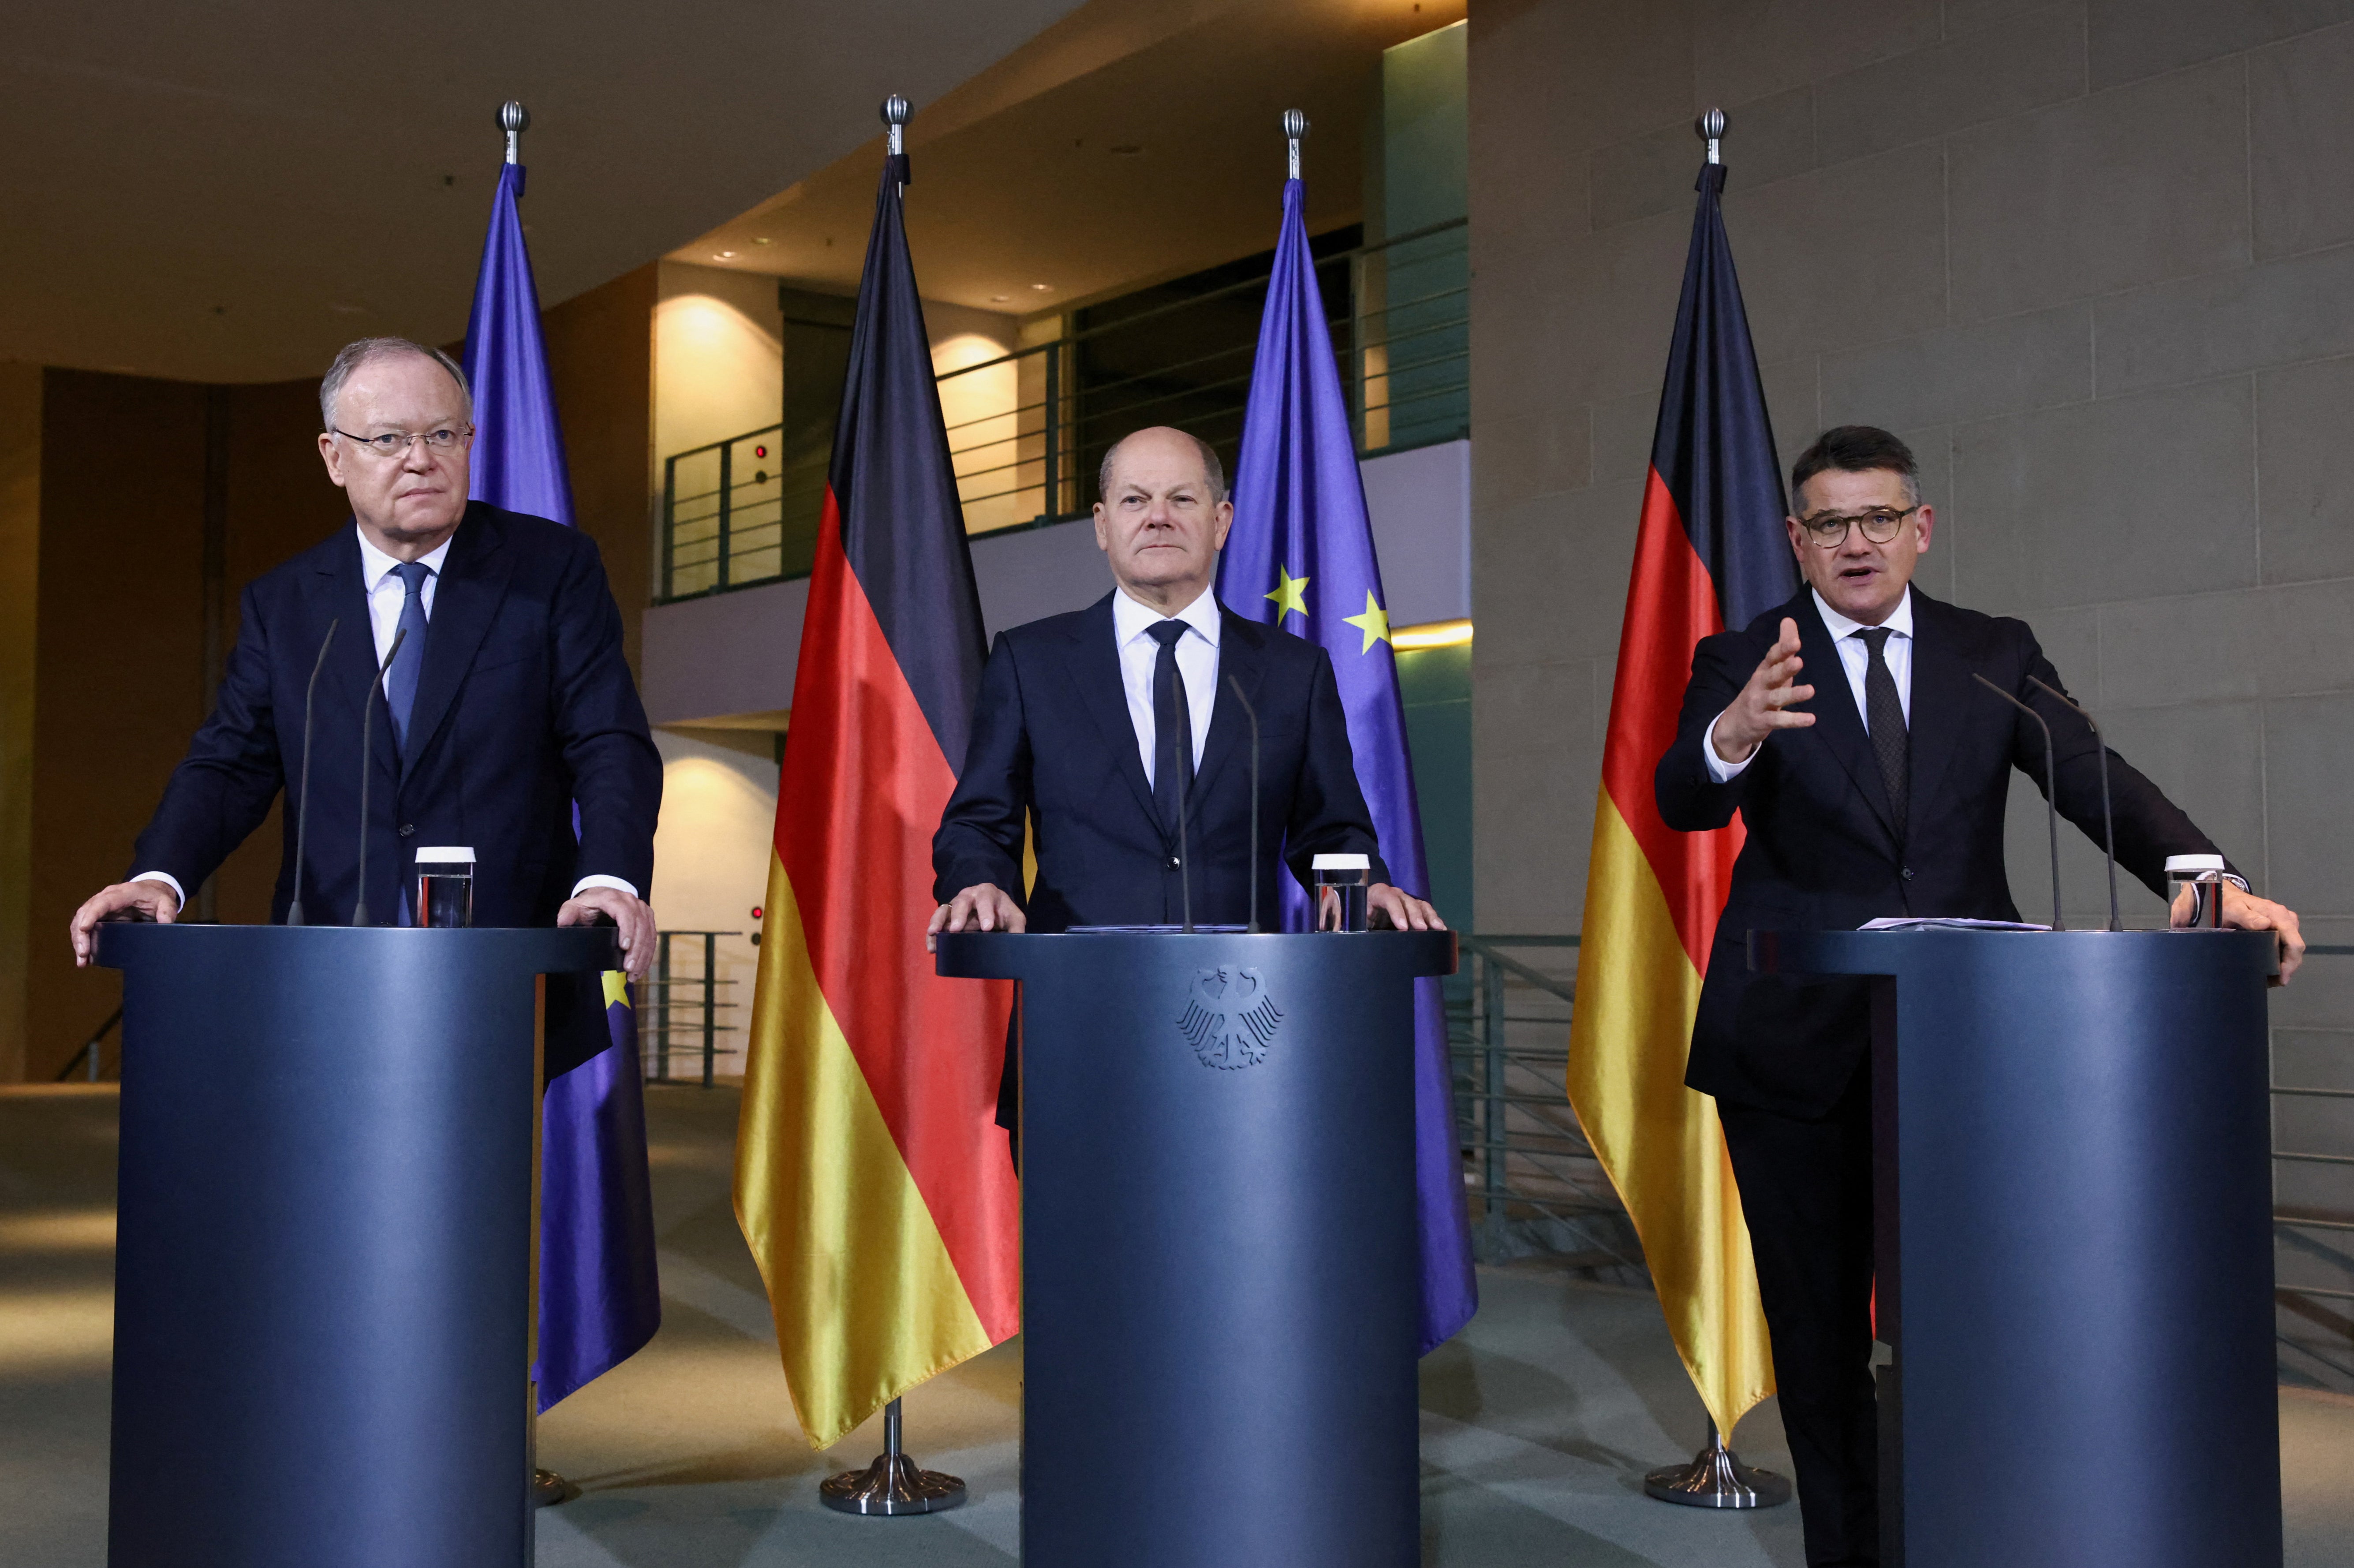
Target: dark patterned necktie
[[1172, 726], [1883, 715], [400, 681]]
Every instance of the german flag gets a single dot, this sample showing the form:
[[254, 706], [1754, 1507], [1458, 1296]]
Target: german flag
[[1711, 551], [871, 1179]]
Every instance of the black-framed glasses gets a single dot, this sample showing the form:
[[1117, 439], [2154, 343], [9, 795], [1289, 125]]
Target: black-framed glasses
[[1879, 524], [396, 443]]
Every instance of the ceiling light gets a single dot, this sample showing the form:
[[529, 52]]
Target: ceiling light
[[762, 240], [1041, 288], [723, 256], [999, 299]]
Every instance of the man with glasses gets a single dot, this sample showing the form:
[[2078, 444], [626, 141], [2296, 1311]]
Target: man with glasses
[[506, 701], [1880, 792]]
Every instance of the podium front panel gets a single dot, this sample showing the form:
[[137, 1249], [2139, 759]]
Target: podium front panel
[[2073, 1140], [1220, 1262], [324, 1253]]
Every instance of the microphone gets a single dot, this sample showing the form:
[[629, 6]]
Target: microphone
[[2051, 790], [1251, 713], [302, 806], [1185, 855], [2108, 823], [367, 747]]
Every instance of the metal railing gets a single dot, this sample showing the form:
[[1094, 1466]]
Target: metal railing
[[667, 1016], [86, 1060], [1027, 428]]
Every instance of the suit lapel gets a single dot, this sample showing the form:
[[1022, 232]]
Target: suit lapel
[[1242, 653], [1942, 690], [341, 597], [1094, 671], [473, 580], [1837, 722]]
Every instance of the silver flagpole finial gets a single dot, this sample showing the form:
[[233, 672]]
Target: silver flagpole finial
[[1295, 126], [1711, 127], [894, 115], [514, 119]]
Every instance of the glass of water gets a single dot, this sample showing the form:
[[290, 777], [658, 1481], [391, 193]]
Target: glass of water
[[1341, 884], [445, 886]]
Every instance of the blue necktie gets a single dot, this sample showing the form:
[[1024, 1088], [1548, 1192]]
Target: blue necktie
[[400, 681]]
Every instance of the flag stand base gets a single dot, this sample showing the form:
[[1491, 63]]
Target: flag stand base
[[549, 1489], [893, 1484], [1717, 1478]]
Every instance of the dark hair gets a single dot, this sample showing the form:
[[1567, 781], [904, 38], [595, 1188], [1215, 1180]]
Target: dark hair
[[1856, 449]]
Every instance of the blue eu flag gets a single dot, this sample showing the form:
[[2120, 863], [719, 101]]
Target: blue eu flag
[[1300, 558]]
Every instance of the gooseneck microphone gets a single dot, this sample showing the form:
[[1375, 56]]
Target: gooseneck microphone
[[1251, 713], [367, 767], [2109, 823], [1185, 855], [2051, 789], [302, 804]]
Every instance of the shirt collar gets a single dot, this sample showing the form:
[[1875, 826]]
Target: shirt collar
[[1130, 619], [375, 563], [1899, 620]]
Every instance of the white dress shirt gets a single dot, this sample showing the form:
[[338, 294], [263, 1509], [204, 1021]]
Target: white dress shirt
[[1197, 662], [386, 596], [1855, 658]]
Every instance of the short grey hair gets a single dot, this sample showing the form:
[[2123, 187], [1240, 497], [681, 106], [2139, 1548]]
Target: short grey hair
[[1216, 470], [354, 355]]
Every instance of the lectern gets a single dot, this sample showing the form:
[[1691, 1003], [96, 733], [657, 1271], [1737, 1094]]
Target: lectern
[[1221, 1276], [2071, 1136], [323, 1261]]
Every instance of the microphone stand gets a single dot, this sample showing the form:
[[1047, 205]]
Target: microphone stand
[[2109, 823], [302, 807], [367, 747], [1252, 713], [2051, 789], [1184, 855]]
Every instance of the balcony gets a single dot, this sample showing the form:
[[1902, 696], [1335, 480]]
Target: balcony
[[1027, 429]]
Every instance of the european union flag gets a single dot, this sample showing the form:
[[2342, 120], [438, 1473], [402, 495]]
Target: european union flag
[[600, 1300], [1300, 556]]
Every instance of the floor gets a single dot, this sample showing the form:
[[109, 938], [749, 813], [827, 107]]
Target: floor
[[1537, 1422]]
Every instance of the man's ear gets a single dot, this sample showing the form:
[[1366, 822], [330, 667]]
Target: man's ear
[[331, 457], [1927, 522], [1797, 537], [1103, 532], [1225, 515]]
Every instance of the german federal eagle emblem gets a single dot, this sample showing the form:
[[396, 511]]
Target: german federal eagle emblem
[[1229, 1018]]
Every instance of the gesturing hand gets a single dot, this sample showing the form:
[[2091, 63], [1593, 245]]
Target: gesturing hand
[[1764, 704]]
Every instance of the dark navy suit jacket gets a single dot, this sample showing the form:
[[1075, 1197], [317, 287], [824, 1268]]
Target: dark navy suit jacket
[[1822, 853], [1053, 748], [524, 707]]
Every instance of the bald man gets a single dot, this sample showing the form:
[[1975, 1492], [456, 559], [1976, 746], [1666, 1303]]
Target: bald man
[[1092, 726]]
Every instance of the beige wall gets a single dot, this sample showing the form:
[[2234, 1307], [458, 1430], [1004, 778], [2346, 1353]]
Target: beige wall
[[601, 349]]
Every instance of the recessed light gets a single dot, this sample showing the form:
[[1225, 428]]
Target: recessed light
[[999, 299], [1041, 288], [723, 256], [762, 240]]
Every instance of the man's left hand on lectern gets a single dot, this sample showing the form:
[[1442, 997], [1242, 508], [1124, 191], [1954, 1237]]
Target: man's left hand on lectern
[[633, 917], [985, 906], [2246, 912], [154, 899]]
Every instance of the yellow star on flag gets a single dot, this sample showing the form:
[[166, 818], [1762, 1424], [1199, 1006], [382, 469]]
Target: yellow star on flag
[[1374, 623], [1290, 593], [617, 988]]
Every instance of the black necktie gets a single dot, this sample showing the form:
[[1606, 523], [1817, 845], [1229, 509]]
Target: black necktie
[[1883, 715], [1172, 726]]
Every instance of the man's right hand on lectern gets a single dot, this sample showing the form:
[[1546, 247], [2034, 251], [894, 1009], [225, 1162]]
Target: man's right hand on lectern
[[155, 899], [983, 907]]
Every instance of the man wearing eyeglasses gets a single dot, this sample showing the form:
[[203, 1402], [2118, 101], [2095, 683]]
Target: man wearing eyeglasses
[[1878, 788], [505, 704]]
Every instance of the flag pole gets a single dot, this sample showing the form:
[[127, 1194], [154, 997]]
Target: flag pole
[[1716, 1478]]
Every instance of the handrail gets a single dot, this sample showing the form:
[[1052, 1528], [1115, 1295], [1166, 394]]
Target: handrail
[[90, 1051]]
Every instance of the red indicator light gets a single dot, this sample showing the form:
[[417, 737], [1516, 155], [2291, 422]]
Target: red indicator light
[[757, 915], [759, 451]]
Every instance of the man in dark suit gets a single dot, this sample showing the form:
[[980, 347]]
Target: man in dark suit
[[1091, 727], [506, 702], [1880, 793]]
